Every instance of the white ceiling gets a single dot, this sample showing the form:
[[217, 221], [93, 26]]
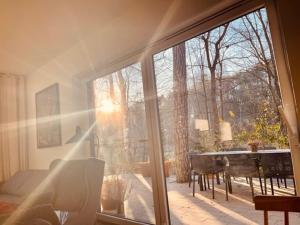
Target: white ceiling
[[81, 36]]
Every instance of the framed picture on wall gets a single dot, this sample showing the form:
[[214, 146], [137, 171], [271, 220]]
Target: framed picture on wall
[[48, 126]]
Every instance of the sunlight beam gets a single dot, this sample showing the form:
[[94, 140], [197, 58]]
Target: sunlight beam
[[28, 202]]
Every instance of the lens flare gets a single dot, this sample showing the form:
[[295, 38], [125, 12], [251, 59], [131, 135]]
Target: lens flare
[[107, 106]]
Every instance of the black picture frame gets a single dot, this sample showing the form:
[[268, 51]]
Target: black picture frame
[[48, 123]]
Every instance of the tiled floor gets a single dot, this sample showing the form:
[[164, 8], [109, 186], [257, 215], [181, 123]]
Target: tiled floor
[[201, 209]]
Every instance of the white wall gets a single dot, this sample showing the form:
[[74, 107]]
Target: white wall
[[72, 100]]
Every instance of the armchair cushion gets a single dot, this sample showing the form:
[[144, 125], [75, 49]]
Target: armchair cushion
[[23, 182], [66, 200]]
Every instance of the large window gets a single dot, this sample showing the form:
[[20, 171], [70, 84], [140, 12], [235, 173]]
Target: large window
[[121, 128], [218, 92]]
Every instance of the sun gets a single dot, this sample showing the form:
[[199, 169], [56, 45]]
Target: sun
[[107, 106]]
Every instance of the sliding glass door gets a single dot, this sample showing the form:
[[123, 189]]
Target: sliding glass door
[[214, 93], [218, 94], [121, 128]]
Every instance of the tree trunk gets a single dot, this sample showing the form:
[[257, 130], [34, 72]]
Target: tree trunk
[[221, 91], [202, 74], [180, 113], [213, 57], [124, 110], [214, 108]]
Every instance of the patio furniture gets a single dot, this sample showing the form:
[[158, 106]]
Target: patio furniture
[[242, 166], [277, 166], [255, 156], [191, 173], [205, 167], [284, 204]]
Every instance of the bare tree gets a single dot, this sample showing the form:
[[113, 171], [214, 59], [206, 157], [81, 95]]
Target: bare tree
[[257, 42], [124, 108], [213, 47]]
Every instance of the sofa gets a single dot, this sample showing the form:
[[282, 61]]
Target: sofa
[[20, 185]]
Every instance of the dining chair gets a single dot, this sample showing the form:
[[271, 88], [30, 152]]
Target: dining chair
[[242, 166], [206, 167], [284, 204], [277, 166], [191, 173]]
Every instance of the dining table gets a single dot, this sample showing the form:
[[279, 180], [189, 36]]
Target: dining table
[[252, 154], [247, 152]]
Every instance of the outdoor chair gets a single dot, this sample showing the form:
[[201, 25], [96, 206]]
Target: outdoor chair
[[76, 194], [205, 167], [242, 166], [277, 166], [192, 174], [284, 204]]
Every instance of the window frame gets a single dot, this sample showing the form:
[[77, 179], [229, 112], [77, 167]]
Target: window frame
[[145, 57]]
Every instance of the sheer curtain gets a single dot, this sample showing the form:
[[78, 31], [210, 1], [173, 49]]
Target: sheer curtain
[[13, 140]]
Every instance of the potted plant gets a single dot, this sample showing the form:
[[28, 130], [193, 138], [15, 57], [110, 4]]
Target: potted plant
[[145, 169], [253, 145], [114, 192]]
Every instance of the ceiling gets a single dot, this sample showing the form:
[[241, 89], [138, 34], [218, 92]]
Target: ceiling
[[82, 36]]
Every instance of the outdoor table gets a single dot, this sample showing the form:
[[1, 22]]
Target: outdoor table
[[259, 152], [223, 154]]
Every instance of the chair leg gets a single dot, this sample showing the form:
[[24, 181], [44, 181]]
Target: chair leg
[[278, 185], [204, 182], [218, 178], [200, 182], [229, 185], [294, 186], [265, 183], [286, 218], [194, 184], [284, 180], [251, 186], [213, 186], [247, 180], [226, 189], [272, 188], [266, 219], [260, 184], [190, 179], [208, 186]]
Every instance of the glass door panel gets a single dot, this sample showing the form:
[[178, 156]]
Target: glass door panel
[[218, 94], [122, 132]]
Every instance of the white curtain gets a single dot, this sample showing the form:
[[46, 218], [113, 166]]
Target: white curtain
[[13, 137]]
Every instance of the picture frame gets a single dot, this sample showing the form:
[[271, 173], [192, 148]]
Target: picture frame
[[48, 123]]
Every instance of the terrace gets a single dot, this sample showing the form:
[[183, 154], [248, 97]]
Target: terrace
[[186, 209]]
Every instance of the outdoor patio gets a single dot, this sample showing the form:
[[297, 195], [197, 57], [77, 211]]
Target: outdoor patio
[[202, 209]]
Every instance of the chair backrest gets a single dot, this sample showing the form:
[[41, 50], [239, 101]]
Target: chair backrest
[[285, 204], [268, 164], [77, 188], [276, 164], [285, 165], [242, 165], [207, 164]]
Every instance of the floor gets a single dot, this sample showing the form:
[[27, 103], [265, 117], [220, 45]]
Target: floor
[[202, 209]]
